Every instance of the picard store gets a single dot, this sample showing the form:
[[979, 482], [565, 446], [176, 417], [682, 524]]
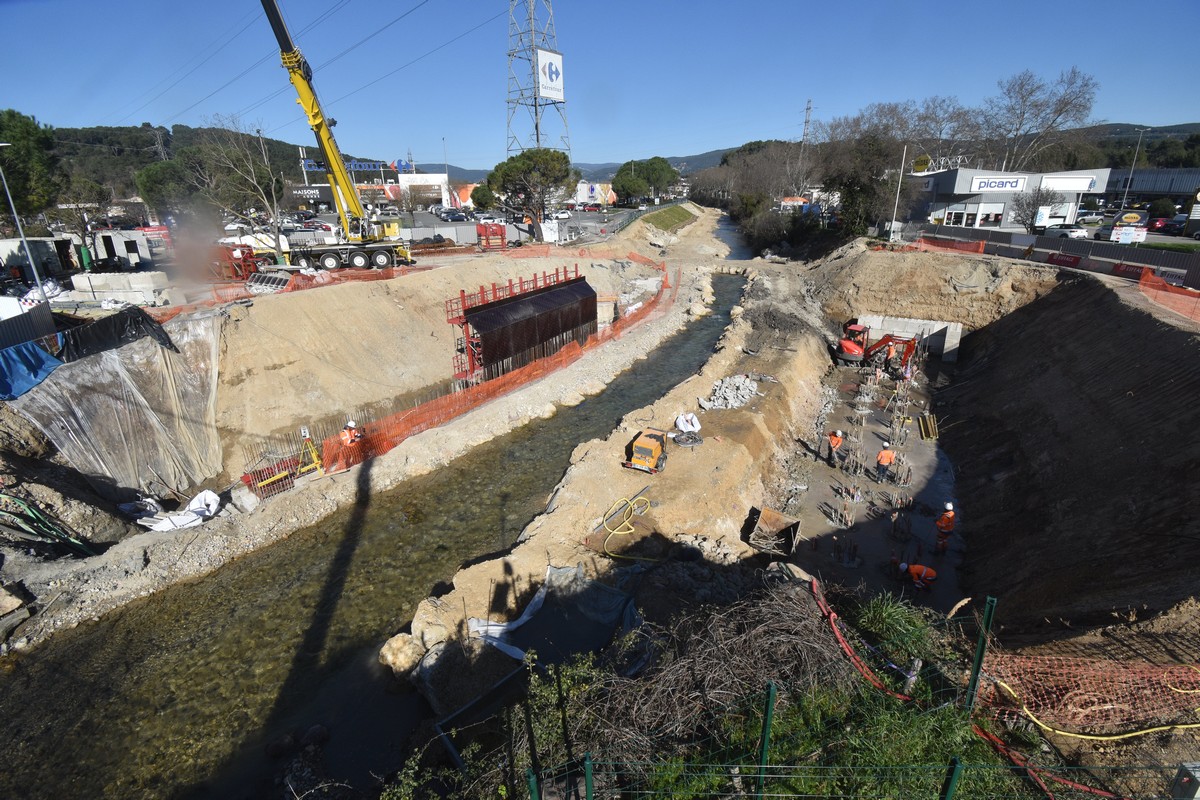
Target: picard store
[[976, 198]]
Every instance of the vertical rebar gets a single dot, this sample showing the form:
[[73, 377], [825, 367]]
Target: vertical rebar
[[587, 776], [989, 611], [764, 742], [953, 773]]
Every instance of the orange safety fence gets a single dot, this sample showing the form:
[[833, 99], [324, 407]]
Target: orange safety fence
[[382, 435], [1179, 299], [529, 251], [1094, 698], [933, 244]]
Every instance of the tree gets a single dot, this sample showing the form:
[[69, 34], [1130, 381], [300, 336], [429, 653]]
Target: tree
[[483, 198], [864, 173], [30, 166], [230, 169], [81, 203], [165, 187], [1030, 116], [533, 179], [628, 184], [1162, 207], [1025, 205]]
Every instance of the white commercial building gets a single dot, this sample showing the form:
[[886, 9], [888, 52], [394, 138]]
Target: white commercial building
[[979, 198]]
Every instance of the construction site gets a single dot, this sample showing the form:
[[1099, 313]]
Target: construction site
[[1035, 400]]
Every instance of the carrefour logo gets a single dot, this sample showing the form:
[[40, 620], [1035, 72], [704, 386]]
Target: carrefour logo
[[551, 72], [993, 183]]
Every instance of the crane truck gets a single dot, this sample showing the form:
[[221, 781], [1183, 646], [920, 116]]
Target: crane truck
[[360, 243]]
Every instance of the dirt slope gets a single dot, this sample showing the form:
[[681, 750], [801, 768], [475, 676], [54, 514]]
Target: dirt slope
[[1073, 423]]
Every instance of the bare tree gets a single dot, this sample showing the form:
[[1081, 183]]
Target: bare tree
[[230, 169], [1026, 204], [1031, 116]]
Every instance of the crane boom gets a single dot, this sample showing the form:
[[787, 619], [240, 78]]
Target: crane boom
[[345, 196]]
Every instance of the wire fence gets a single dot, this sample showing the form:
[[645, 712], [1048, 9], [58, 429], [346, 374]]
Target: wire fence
[[758, 750]]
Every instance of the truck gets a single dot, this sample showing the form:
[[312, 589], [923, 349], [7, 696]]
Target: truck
[[360, 243]]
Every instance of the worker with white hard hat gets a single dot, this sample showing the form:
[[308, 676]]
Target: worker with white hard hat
[[883, 462], [945, 527], [922, 576], [351, 434], [835, 446]]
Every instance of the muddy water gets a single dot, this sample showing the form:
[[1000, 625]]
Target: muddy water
[[181, 694]]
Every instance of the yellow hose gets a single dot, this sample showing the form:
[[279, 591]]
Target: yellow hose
[[637, 506], [1025, 710]]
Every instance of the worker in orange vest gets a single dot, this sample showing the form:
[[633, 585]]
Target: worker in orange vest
[[883, 462], [922, 576], [891, 351], [351, 435], [945, 527], [835, 445]]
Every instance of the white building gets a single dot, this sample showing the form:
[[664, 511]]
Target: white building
[[979, 198]]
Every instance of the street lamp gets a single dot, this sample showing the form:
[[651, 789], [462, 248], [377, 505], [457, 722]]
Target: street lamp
[[1129, 181], [21, 231]]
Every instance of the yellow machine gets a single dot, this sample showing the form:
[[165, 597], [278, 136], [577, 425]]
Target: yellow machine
[[648, 452], [364, 246]]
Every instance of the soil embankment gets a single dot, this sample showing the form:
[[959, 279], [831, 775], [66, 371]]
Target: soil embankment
[[1073, 422]]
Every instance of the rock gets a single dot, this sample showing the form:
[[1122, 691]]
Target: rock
[[401, 654], [697, 310], [281, 746], [736, 311], [315, 736]]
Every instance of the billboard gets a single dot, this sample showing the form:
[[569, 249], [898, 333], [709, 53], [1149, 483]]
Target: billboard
[[998, 183], [549, 75]]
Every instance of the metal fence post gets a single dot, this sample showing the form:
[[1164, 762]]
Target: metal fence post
[[764, 743], [587, 775], [531, 779], [953, 773], [989, 611]]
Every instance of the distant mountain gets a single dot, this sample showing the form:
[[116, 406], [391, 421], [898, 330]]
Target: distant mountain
[[457, 174], [1127, 130]]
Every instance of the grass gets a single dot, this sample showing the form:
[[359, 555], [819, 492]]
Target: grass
[[671, 218], [1180, 247]]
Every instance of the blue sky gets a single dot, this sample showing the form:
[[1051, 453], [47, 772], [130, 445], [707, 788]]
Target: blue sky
[[642, 77]]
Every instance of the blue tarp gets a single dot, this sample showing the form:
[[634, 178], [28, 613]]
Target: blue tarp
[[23, 367]]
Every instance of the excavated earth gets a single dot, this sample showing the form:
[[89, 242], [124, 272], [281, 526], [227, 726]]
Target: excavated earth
[[1070, 418]]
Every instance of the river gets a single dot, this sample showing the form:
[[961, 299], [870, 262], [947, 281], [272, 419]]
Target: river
[[178, 695]]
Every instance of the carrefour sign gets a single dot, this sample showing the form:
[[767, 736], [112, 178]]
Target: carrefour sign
[[998, 183]]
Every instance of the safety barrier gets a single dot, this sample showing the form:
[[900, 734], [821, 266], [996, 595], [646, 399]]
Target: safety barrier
[[1103, 695], [275, 464], [1179, 299], [934, 244]]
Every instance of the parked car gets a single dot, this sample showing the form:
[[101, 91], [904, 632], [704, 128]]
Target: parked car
[[1157, 223], [592, 207], [562, 213], [455, 216], [1065, 231], [317, 225], [488, 219], [641, 207], [1089, 216]]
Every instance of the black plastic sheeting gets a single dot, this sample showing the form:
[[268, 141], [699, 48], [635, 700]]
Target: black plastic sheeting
[[127, 325], [516, 325]]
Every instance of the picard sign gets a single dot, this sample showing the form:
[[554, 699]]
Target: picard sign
[[998, 183]]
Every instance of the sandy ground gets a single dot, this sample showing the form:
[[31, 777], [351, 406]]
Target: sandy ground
[[323, 367], [1069, 424]]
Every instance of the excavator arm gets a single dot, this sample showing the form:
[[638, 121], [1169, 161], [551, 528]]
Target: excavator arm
[[345, 196]]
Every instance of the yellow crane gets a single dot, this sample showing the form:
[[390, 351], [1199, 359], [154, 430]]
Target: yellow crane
[[363, 245]]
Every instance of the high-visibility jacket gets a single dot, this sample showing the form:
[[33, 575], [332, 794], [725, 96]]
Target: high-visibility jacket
[[921, 575], [891, 351], [886, 458], [945, 523], [350, 436], [835, 442]]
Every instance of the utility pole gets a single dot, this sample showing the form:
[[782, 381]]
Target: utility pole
[[1129, 180], [37, 278], [896, 207]]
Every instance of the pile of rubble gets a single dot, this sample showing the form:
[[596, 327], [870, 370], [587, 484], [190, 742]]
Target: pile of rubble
[[732, 392]]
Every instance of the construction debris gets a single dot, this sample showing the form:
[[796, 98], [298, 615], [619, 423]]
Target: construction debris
[[732, 392]]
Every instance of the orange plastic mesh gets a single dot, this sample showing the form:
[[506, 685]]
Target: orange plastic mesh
[[1092, 696], [1179, 299], [927, 244], [529, 251]]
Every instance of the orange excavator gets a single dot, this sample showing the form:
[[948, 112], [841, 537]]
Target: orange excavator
[[855, 347]]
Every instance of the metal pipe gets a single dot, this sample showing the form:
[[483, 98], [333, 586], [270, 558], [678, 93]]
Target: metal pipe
[[37, 278]]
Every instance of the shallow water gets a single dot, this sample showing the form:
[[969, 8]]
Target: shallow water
[[178, 695]]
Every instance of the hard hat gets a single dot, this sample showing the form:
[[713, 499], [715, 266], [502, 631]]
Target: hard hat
[[903, 567], [837, 433], [351, 424], [886, 445], [949, 506]]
